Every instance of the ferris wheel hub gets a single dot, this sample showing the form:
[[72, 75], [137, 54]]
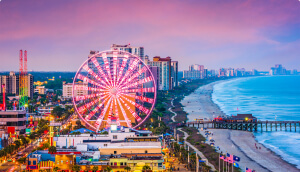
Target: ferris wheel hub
[[114, 91]]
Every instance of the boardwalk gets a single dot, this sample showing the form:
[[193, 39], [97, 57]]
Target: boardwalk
[[196, 150]]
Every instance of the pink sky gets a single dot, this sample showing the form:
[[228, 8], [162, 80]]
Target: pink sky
[[58, 34]]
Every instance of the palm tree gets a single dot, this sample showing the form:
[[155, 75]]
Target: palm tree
[[127, 168], [76, 168], [146, 168], [52, 149], [55, 169], [95, 168], [108, 169]]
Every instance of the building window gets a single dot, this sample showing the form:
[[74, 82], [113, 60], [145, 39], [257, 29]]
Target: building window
[[33, 162], [125, 163], [121, 163], [115, 152], [115, 137], [105, 145], [146, 151], [61, 161], [111, 164]]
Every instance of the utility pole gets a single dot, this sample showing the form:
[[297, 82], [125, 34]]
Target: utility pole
[[197, 163]]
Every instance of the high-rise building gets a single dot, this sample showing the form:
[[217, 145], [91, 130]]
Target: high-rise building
[[195, 72], [174, 73], [165, 77], [278, 70], [11, 82], [138, 51]]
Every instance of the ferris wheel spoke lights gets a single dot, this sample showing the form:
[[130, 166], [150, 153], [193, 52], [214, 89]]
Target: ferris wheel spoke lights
[[113, 88]]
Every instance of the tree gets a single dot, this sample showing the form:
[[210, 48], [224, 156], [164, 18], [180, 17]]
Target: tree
[[95, 168], [22, 160], [76, 168], [46, 146], [108, 169], [127, 168], [18, 143], [55, 169], [52, 149], [146, 168], [57, 111]]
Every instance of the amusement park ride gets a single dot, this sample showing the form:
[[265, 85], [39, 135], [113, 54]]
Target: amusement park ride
[[121, 91], [3, 105], [23, 81]]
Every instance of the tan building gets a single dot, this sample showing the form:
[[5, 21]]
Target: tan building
[[81, 89], [40, 89]]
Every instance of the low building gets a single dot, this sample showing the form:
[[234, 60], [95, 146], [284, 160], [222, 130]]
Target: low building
[[40, 89], [244, 118], [81, 89], [14, 122], [45, 110], [117, 149]]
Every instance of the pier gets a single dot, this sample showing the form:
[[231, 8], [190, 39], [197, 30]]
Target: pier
[[248, 126]]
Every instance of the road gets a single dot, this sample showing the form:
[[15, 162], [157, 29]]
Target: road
[[15, 166]]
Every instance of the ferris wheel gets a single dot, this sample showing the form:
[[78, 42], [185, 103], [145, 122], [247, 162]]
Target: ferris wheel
[[113, 88]]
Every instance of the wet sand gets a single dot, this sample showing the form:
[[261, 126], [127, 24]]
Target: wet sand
[[240, 143]]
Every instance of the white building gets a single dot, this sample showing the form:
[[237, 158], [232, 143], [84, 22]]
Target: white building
[[138, 51], [195, 72], [107, 142], [67, 89]]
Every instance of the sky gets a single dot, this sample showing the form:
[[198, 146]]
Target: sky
[[58, 34]]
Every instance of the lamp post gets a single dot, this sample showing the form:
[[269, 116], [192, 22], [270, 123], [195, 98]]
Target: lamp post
[[152, 164]]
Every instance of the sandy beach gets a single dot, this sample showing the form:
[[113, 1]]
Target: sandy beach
[[240, 143]]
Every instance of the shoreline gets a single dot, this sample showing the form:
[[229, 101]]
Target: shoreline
[[199, 104]]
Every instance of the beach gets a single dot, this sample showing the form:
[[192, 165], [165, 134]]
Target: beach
[[253, 155]]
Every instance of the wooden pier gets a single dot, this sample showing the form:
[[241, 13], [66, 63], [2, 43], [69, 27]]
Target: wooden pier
[[249, 126]]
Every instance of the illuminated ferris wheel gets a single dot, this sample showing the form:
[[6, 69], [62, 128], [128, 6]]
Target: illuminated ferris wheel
[[113, 88]]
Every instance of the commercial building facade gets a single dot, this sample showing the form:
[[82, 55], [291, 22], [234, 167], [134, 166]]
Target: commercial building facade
[[13, 121], [117, 149], [11, 82], [68, 87]]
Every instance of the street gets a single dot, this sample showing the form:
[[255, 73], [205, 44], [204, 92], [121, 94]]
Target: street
[[15, 166]]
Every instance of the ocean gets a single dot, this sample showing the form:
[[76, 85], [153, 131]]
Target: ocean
[[267, 98]]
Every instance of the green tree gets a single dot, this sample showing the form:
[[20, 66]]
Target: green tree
[[55, 169], [22, 160], [57, 111], [52, 149], [45, 146], [76, 168], [108, 169], [146, 168], [95, 168], [127, 168], [18, 143]]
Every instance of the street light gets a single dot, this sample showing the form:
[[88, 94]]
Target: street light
[[152, 164]]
